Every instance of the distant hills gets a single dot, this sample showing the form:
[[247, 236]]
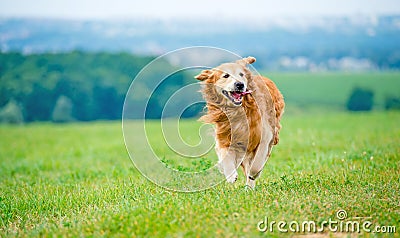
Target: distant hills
[[347, 43]]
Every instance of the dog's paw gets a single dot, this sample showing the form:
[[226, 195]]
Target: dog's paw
[[232, 178], [248, 188], [251, 184]]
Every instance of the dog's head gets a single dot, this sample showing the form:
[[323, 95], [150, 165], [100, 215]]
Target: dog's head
[[229, 80]]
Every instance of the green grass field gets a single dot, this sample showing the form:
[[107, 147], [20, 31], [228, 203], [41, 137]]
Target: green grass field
[[77, 180], [332, 89]]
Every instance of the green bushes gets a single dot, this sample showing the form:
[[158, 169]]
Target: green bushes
[[11, 113], [63, 110], [360, 100], [392, 103]]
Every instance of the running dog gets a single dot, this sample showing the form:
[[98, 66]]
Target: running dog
[[246, 110]]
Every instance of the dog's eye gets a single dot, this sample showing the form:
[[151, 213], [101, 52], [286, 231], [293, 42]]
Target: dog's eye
[[241, 74], [226, 76]]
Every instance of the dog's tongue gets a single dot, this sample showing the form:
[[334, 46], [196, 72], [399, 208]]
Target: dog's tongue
[[237, 95], [245, 93]]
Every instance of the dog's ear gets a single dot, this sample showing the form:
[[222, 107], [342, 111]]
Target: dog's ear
[[205, 74], [249, 60], [246, 61]]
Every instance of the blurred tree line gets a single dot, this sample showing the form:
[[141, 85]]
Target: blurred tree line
[[82, 86], [68, 86]]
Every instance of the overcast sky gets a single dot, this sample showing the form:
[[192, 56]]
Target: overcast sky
[[105, 9]]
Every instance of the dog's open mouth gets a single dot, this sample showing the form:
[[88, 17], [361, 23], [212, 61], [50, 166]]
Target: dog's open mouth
[[236, 96]]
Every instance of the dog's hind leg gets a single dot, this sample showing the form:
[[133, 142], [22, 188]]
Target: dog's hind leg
[[250, 181], [257, 163]]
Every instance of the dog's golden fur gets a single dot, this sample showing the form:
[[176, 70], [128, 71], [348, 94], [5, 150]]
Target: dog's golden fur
[[245, 133]]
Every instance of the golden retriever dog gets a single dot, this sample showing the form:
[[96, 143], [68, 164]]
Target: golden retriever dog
[[246, 110]]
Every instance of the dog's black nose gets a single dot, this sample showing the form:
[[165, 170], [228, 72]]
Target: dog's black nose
[[239, 86]]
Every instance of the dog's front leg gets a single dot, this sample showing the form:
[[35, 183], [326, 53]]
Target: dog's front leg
[[226, 164]]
